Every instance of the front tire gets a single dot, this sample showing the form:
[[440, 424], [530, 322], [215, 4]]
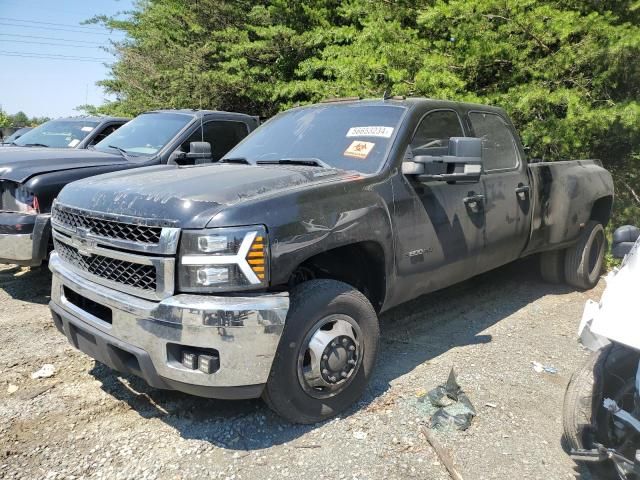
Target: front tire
[[326, 354], [583, 261]]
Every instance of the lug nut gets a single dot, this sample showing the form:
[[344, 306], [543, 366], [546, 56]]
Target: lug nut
[[325, 357], [343, 374], [345, 341], [351, 362], [325, 371], [333, 379], [351, 348], [333, 344]]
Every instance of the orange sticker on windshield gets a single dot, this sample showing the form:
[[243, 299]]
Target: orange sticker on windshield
[[359, 149]]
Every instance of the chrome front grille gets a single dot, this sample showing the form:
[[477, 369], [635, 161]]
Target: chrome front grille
[[131, 274], [131, 255], [72, 219]]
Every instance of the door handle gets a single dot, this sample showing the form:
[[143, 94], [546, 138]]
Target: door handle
[[474, 201], [523, 191]]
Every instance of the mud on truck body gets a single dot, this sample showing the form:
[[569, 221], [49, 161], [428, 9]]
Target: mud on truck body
[[264, 274], [31, 177]]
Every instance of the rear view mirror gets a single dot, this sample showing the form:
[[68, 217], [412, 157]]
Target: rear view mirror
[[463, 162], [200, 152], [623, 240]]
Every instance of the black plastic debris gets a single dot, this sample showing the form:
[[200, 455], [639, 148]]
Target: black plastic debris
[[454, 407]]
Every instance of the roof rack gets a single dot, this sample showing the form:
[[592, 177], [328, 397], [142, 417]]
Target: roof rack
[[340, 99]]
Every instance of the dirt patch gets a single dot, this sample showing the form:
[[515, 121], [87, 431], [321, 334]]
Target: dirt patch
[[86, 421]]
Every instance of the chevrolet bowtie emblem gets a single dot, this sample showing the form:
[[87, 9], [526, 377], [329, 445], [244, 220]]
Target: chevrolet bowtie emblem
[[82, 232]]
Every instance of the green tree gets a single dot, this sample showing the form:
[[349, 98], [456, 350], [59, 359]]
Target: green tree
[[5, 121], [19, 119], [565, 70]]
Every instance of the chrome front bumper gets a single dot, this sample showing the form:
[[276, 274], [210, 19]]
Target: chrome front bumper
[[244, 330], [24, 238]]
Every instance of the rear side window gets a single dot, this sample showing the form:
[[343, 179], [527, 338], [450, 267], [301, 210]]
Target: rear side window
[[498, 146], [433, 134], [222, 135]]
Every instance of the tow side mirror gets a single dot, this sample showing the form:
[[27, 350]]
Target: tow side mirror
[[463, 162], [623, 240], [199, 152]]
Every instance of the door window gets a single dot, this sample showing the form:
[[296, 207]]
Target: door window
[[222, 136], [433, 134], [498, 146], [106, 131]]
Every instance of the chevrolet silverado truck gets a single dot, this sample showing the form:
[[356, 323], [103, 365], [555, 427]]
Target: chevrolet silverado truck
[[264, 274], [72, 132], [30, 178]]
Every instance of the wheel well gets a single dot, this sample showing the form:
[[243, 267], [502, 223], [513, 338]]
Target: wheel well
[[361, 265], [601, 210]]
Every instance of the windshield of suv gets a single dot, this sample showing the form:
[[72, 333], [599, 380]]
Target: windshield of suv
[[57, 134], [347, 136], [145, 134]]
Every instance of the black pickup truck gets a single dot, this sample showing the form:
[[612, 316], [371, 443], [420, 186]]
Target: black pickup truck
[[30, 178], [264, 274]]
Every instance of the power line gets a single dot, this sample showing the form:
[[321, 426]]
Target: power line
[[50, 38], [50, 44], [91, 27], [54, 28], [51, 56]]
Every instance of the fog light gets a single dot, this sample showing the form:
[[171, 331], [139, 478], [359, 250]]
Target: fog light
[[208, 363], [190, 360], [212, 276]]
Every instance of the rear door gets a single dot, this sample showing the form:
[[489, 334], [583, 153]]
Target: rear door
[[439, 226], [506, 188]]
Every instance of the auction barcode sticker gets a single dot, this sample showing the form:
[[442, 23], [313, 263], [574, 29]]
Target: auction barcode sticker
[[384, 132]]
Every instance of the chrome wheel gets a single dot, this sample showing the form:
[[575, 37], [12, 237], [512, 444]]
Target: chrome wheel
[[330, 356]]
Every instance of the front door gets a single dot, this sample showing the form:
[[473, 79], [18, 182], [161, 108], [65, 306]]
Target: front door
[[507, 190], [439, 226]]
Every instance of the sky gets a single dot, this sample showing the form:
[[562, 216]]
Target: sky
[[36, 74]]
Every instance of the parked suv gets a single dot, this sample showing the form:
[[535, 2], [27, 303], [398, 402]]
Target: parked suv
[[72, 132]]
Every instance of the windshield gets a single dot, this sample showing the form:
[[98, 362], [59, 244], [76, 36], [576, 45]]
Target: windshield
[[145, 134], [344, 136], [58, 134]]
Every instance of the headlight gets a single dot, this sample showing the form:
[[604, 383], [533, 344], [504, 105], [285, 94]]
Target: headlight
[[223, 259], [24, 200]]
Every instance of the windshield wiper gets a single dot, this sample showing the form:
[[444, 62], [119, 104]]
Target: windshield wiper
[[308, 162], [122, 151], [34, 145], [240, 160]]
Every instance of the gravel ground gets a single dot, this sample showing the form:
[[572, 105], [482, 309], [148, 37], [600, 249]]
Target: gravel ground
[[88, 422]]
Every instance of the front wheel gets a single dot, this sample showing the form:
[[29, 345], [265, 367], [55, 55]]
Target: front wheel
[[326, 354]]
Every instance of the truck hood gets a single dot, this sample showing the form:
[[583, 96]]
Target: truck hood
[[188, 196], [20, 164]]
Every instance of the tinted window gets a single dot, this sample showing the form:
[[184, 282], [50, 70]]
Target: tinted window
[[146, 134], [347, 136], [221, 135], [433, 133], [106, 131], [58, 133], [498, 146]]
